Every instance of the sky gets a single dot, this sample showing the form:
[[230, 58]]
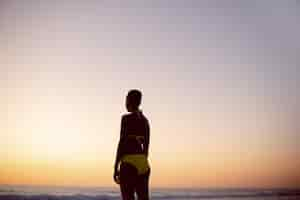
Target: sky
[[220, 83]]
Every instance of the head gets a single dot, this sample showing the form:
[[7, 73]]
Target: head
[[133, 100]]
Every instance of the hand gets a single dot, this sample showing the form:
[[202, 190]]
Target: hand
[[117, 177]]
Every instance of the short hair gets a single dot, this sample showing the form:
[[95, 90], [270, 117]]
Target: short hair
[[135, 97]]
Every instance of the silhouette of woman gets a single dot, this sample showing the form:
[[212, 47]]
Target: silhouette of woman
[[132, 169]]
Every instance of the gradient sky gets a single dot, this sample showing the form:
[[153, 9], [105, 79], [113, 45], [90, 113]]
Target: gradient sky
[[220, 81]]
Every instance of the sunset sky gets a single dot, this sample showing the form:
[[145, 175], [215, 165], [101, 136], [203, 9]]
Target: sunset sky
[[220, 83]]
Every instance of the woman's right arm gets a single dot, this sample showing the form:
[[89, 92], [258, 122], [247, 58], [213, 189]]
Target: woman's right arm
[[147, 138]]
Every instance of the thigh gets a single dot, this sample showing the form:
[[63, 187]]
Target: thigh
[[127, 181], [142, 186]]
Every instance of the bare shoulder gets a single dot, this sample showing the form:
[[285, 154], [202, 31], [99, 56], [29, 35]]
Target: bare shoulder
[[124, 117], [145, 118]]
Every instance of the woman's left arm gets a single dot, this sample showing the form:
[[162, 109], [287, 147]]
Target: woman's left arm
[[118, 156]]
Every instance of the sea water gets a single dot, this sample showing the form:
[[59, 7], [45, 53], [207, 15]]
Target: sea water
[[20, 192]]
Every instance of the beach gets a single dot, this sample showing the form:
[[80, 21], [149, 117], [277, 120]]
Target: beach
[[98, 193]]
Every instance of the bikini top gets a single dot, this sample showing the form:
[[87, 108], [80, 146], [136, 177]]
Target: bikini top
[[133, 144]]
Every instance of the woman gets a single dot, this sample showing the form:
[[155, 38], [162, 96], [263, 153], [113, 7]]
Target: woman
[[132, 169]]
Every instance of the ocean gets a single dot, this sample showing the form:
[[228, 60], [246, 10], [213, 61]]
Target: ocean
[[18, 192]]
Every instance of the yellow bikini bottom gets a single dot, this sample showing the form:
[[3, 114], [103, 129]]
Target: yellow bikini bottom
[[139, 161]]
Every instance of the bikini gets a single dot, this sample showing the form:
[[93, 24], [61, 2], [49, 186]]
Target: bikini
[[136, 156]]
